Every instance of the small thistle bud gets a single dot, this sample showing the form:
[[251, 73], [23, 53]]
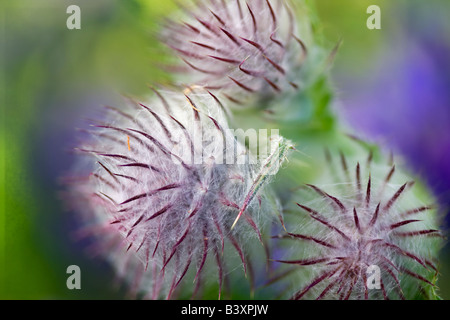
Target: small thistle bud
[[367, 236], [242, 48], [168, 187]]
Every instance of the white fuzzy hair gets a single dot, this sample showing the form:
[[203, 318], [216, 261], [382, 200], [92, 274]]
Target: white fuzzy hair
[[360, 214], [240, 47], [159, 215]]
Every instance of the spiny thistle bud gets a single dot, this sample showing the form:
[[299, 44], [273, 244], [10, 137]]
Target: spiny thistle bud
[[364, 235], [169, 184], [240, 47]]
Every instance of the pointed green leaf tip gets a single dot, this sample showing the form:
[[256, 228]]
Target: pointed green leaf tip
[[280, 148]]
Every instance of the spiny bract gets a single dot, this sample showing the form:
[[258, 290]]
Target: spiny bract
[[240, 47], [368, 225], [168, 183]]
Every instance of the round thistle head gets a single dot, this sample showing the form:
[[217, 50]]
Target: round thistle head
[[366, 234], [241, 48], [168, 184]]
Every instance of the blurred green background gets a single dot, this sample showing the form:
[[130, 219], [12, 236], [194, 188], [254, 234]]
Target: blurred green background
[[52, 77]]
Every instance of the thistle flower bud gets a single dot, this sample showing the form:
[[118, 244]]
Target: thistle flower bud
[[240, 48], [168, 187], [366, 234]]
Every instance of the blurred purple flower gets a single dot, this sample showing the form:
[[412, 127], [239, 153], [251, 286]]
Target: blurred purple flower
[[406, 104]]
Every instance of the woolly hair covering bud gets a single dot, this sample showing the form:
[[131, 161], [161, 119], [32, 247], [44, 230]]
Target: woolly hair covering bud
[[368, 232], [240, 48], [168, 185]]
